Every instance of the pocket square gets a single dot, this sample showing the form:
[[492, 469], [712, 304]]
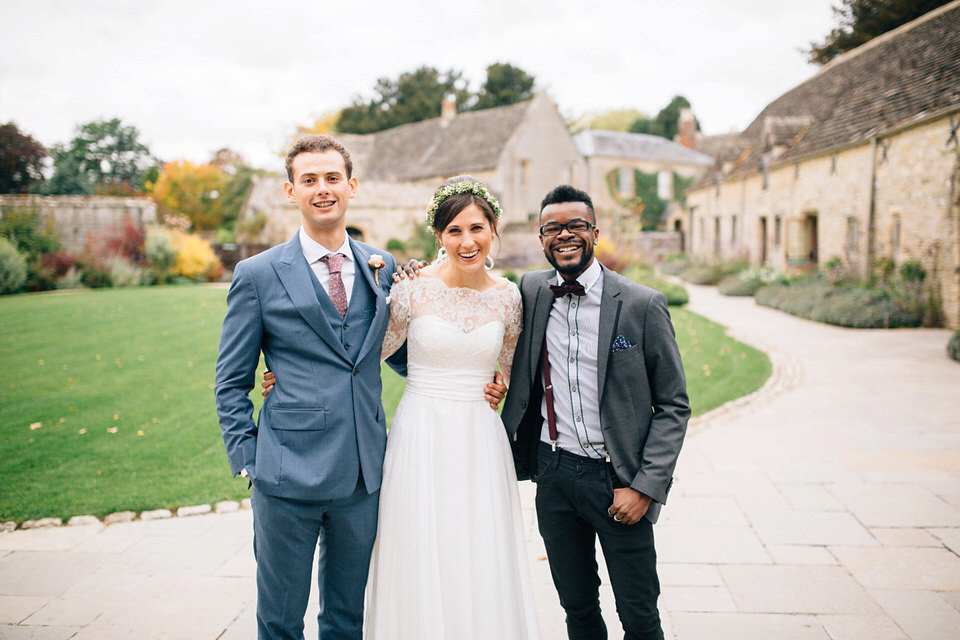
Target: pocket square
[[619, 344]]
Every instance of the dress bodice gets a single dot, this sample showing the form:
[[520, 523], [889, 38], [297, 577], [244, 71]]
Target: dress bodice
[[455, 336]]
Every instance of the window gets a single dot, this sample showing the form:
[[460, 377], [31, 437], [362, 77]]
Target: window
[[895, 239], [853, 236], [625, 181], [665, 185]]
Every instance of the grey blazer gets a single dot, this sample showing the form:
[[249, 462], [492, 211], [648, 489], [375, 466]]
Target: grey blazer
[[643, 398], [323, 423]]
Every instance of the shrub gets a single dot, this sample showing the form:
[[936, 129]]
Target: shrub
[[123, 273], [195, 257], [674, 264], [737, 286], [161, 254], [29, 234], [847, 306], [953, 346], [94, 272], [676, 294], [40, 276], [912, 271], [395, 244], [611, 257], [702, 273], [13, 268], [748, 281], [125, 240], [72, 279], [60, 262]]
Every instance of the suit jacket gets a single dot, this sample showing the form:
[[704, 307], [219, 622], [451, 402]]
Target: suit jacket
[[643, 399], [323, 423]]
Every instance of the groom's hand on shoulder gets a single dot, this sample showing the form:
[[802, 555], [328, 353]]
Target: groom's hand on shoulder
[[409, 269]]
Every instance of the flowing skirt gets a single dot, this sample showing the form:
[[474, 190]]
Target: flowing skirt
[[450, 560]]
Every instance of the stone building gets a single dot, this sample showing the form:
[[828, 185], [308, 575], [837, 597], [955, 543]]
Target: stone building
[[633, 175], [521, 151], [860, 162], [75, 218]]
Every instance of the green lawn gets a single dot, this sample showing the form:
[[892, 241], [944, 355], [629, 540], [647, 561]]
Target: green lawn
[[107, 398]]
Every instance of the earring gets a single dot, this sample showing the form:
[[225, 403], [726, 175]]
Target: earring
[[441, 255], [488, 262]]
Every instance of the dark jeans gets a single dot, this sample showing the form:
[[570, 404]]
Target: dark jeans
[[573, 495]]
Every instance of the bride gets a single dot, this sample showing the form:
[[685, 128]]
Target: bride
[[449, 561], [450, 557]]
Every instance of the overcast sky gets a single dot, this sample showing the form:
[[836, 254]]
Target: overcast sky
[[197, 75]]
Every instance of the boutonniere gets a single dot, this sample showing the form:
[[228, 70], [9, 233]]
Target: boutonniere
[[376, 263]]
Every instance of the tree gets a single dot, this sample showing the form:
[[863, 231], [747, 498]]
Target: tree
[[613, 120], [105, 156], [236, 186], [414, 96], [863, 20], [505, 84], [667, 121], [21, 160], [193, 191]]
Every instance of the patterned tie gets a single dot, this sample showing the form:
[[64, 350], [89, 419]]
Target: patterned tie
[[338, 294]]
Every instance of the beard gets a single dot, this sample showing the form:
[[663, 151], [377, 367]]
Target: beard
[[571, 269]]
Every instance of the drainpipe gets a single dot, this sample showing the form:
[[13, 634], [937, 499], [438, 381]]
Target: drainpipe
[[872, 212]]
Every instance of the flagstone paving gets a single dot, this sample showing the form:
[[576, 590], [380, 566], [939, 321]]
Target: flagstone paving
[[824, 507]]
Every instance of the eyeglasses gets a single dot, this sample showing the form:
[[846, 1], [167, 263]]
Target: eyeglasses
[[577, 225]]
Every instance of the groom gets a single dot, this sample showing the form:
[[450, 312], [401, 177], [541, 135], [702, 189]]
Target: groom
[[316, 308], [598, 409]]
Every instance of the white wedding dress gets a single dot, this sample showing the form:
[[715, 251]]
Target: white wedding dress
[[450, 560]]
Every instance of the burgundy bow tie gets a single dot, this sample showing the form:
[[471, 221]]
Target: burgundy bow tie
[[567, 287]]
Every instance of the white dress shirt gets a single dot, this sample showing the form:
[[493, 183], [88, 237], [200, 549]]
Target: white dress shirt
[[573, 330], [314, 252]]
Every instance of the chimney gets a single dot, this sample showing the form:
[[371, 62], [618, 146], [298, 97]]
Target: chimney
[[448, 109], [687, 129]]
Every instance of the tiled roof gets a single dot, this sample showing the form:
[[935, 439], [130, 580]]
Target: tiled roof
[[471, 141], [639, 146], [895, 79]]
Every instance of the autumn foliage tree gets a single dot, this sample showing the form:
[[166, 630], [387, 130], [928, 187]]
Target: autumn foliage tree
[[193, 191], [21, 160]]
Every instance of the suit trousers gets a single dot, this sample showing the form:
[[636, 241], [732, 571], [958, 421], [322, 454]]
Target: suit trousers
[[573, 495], [286, 533]]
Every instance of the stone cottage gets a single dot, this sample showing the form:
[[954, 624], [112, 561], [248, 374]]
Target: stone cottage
[[633, 175], [858, 163], [521, 151]]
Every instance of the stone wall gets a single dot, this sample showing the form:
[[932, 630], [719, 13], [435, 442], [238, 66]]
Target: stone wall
[[819, 208], [76, 217]]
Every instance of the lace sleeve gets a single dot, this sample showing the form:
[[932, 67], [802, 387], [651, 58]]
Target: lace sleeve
[[513, 322], [399, 318]]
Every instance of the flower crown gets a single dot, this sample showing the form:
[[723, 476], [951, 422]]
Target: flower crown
[[464, 186]]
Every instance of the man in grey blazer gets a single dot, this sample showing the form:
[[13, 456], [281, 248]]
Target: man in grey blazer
[[316, 308], [601, 438]]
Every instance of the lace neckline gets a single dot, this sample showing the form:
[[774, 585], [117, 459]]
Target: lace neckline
[[497, 286]]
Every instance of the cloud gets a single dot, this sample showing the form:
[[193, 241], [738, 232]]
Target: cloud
[[198, 76]]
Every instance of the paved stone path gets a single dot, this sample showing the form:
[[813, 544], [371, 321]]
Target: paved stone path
[[824, 507]]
